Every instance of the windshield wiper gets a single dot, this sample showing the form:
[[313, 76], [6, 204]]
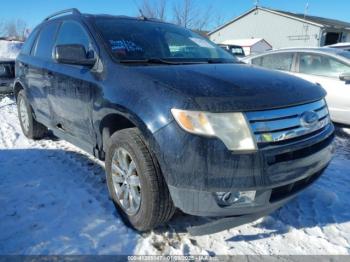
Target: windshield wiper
[[220, 61], [160, 61], [149, 61]]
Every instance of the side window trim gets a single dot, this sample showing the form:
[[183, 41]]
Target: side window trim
[[294, 66]]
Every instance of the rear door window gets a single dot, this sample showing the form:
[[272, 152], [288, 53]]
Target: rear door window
[[281, 61], [321, 65], [44, 44], [28, 44]]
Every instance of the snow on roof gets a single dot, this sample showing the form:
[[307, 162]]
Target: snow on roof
[[10, 49], [315, 20], [244, 42]]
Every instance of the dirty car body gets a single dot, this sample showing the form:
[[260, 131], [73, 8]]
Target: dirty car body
[[286, 118]]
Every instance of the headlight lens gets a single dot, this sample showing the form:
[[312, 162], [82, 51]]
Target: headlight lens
[[231, 128]]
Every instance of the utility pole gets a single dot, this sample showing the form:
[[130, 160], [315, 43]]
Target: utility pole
[[256, 3], [305, 25]]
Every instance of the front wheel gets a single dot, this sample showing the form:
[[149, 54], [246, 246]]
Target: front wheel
[[30, 127], [135, 182]]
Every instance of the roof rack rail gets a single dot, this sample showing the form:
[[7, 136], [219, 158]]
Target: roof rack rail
[[74, 11]]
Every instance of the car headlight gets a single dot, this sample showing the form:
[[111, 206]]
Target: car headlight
[[231, 128]]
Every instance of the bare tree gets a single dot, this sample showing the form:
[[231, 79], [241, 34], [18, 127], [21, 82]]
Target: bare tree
[[154, 9], [190, 14], [15, 29]]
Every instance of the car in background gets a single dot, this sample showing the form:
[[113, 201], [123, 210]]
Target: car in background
[[328, 67], [235, 50], [7, 75], [8, 53], [344, 46]]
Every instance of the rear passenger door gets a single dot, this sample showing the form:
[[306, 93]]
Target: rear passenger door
[[38, 77], [71, 97], [325, 70]]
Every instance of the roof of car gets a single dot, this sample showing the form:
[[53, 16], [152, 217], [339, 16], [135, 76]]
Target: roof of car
[[310, 49], [324, 50]]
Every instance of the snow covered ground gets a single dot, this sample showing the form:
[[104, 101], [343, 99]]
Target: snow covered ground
[[9, 49], [53, 200]]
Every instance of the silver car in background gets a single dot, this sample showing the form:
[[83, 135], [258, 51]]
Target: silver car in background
[[328, 67]]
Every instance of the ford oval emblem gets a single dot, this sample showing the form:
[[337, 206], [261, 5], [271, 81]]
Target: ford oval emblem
[[309, 119]]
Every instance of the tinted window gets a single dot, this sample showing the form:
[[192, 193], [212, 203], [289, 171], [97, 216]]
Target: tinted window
[[45, 41], [130, 39], [27, 47], [282, 61], [315, 64], [73, 33]]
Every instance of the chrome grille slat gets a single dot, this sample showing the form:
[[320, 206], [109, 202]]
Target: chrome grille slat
[[282, 124], [275, 125], [285, 112]]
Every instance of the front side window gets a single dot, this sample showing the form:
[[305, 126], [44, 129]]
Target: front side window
[[45, 41], [282, 61], [130, 39], [315, 64], [72, 32]]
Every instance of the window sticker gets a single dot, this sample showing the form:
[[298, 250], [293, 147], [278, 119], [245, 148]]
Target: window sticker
[[201, 42], [124, 46]]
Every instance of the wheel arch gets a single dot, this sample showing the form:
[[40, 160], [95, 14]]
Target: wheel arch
[[115, 120], [17, 87]]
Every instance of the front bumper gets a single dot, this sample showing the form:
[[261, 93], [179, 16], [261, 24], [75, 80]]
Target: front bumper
[[201, 167]]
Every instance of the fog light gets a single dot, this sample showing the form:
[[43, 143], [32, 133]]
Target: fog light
[[239, 197]]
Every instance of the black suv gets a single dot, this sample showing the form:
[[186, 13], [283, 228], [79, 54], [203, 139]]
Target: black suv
[[179, 122]]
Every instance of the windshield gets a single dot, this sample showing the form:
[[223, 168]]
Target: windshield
[[131, 39]]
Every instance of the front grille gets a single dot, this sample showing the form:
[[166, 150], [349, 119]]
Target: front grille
[[300, 153], [279, 193], [279, 125]]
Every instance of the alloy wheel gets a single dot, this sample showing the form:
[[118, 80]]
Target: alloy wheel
[[126, 181]]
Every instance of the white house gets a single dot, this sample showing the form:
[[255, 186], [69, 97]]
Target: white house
[[250, 46], [283, 29]]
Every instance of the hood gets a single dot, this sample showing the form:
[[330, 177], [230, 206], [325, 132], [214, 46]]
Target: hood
[[233, 87]]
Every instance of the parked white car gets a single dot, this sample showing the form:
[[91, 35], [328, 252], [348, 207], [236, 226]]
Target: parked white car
[[328, 67], [344, 46]]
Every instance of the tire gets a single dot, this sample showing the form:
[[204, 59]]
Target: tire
[[156, 206], [30, 127]]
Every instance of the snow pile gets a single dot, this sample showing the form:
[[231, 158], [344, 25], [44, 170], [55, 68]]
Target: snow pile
[[10, 49], [54, 200]]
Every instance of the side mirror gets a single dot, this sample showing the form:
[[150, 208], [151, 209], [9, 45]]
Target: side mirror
[[73, 54], [345, 77]]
